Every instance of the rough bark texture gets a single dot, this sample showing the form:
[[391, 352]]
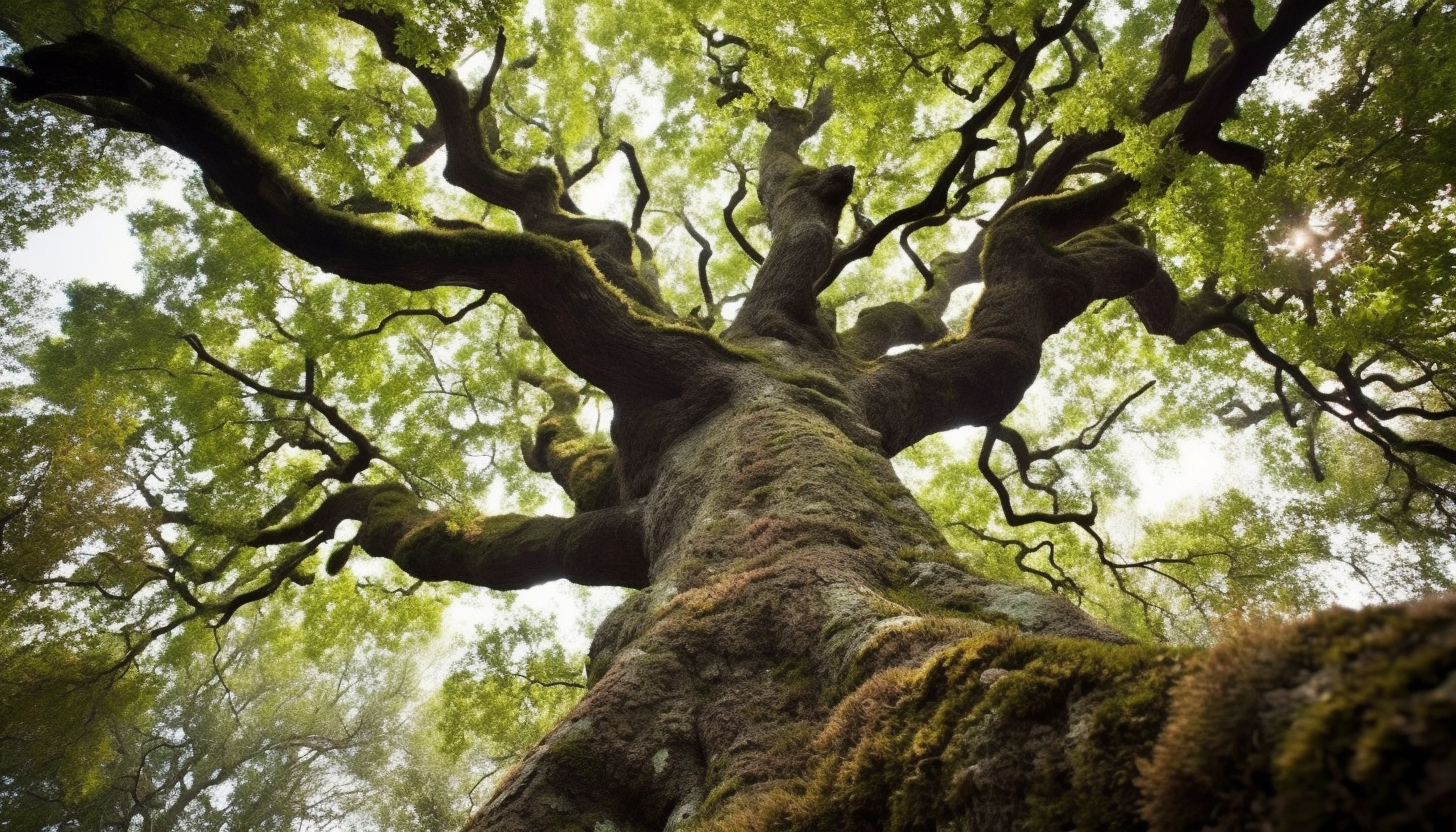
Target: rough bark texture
[[789, 566], [810, 655]]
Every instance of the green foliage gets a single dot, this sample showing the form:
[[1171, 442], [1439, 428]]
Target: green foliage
[[270, 723]]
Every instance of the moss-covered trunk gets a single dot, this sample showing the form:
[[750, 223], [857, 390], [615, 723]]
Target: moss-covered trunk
[[810, 655]]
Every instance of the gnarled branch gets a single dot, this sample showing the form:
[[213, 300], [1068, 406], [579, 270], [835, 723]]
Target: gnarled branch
[[560, 291], [505, 552], [1034, 287], [584, 467], [728, 222], [534, 195], [803, 204]]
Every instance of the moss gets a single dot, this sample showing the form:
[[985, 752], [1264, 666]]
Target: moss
[[719, 795], [907, 643], [1346, 720], [793, 672], [1094, 786], [1048, 730], [957, 604], [591, 481], [440, 544], [895, 322], [575, 744], [793, 375], [930, 554], [917, 600]]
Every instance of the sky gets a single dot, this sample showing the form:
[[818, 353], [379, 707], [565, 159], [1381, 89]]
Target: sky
[[97, 247]]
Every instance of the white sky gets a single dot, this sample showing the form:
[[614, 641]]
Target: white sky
[[97, 248]]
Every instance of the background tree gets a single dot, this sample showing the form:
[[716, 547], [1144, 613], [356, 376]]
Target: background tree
[[808, 649]]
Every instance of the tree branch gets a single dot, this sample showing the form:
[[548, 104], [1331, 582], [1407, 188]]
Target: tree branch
[[366, 451], [738, 194], [705, 255], [434, 313], [534, 195], [803, 204], [935, 201], [638, 179], [504, 552], [1034, 287], [1218, 95], [561, 293], [584, 467]]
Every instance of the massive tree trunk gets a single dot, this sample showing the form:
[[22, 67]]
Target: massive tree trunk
[[810, 655], [789, 567]]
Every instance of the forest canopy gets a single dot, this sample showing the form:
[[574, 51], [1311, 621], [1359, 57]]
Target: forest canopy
[[1264, 429]]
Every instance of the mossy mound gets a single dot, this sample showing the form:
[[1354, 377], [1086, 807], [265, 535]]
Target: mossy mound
[[1346, 720], [1342, 721], [1000, 731]]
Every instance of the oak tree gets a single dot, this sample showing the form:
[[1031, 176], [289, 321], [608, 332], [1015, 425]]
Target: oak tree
[[770, 251]]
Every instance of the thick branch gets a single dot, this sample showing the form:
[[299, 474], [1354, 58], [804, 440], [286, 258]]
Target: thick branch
[[1170, 86], [803, 204], [920, 321], [584, 467], [879, 328], [1163, 311], [505, 552], [1033, 289], [562, 295], [143, 98], [1252, 53]]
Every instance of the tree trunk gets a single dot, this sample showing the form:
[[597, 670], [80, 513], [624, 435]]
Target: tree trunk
[[811, 655]]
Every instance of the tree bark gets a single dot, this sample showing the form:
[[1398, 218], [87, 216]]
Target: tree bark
[[811, 655]]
